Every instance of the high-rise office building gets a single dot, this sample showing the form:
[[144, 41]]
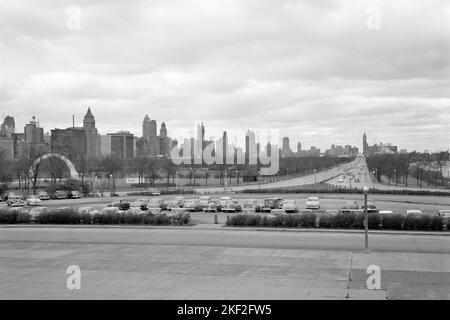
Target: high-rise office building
[[122, 144]]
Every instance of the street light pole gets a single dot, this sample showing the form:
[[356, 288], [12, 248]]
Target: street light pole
[[366, 222]]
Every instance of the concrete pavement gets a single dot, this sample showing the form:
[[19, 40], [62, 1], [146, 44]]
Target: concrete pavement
[[216, 264]]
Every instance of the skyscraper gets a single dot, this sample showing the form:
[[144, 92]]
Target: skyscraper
[[365, 144], [163, 140], [286, 149], [91, 135], [146, 129], [153, 139]]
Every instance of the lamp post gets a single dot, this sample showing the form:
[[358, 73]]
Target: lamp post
[[395, 174], [225, 180], [259, 182], [237, 177], [206, 176], [176, 180], [366, 222], [82, 183], [315, 180]]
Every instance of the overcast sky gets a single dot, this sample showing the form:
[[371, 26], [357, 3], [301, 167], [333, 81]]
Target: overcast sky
[[320, 71]]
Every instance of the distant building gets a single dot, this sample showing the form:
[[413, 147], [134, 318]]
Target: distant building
[[122, 144], [285, 148], [77, 141], [105, 145], [7, 148], [377, 148]]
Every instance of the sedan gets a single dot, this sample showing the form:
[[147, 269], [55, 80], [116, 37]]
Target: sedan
[[211, 206], [43, 195], [36, 212], [89, 210], [414, 213], [16, 203], [276, 213], [34, 201], [192, 205], [445, 215], [312, 203], [289, 206]]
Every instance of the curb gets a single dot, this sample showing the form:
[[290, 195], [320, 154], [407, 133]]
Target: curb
[[225, 228]]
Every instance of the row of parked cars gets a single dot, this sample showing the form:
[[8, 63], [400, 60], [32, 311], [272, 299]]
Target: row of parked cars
[[13, 200]]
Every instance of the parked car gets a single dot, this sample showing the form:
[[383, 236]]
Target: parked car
[[43, 195], [175, 203], [231, 206], [290, 206], [60, 195], [445, 215], [312, 203], [89, 210], [108, 210], [155, 194], [74, 195], [332, 212], [12, 198], [414, 213], [305, 211], [204, 200], [272, 203], [178, 214], [350, 207], [34, 200], [211, 206], [139, 205], [157, 203], [276, 213], [250, 206], [36, 212], [192, 205], [16, 203], [8, 195], [371, 207]]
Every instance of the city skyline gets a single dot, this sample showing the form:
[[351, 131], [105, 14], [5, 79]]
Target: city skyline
[[273, 68]]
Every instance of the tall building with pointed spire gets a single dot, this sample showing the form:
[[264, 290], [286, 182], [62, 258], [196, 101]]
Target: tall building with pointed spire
[[91, 135]]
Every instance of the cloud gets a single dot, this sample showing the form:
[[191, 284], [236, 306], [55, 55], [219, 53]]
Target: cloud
[[311, 69]]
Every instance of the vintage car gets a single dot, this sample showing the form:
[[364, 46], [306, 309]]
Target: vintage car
[[312, 203]]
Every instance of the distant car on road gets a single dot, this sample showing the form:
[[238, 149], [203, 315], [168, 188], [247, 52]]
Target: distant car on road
[[43, 195], [34, 200], [155, 194], [312, 203], [290, 206]]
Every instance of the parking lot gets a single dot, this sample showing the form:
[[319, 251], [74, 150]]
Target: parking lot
[[397, 203]]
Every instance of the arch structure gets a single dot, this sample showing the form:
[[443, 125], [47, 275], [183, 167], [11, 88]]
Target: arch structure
[[73, 172]]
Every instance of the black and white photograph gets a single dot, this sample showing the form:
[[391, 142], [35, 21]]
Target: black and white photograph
[[232, 152]]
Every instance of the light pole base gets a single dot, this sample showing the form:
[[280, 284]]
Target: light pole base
[[366, 251]]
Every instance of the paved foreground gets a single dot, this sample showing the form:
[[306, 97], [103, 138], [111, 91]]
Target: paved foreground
[[186, 263]]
